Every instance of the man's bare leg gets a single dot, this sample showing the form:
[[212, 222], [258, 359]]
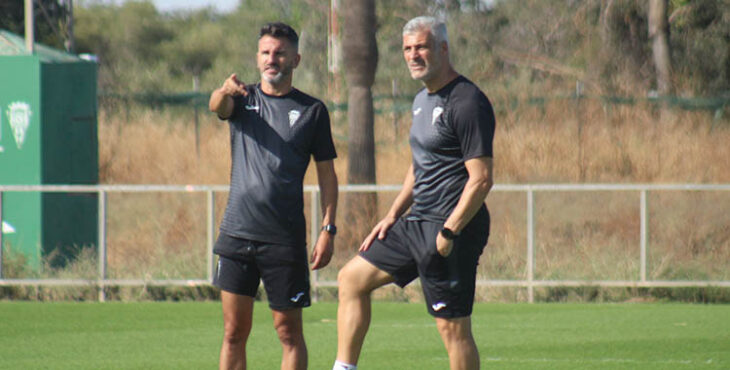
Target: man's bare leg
[[237, 319], [356, 281], [459, 342], [288, 325]]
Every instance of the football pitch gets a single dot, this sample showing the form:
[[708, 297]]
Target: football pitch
[[402, 336]]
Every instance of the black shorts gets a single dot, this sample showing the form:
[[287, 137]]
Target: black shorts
[[409, 251], [283, 269]]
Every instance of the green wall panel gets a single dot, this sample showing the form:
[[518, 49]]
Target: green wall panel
[[56, 104]]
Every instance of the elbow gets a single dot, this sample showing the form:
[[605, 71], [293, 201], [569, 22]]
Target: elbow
[[215, 102]]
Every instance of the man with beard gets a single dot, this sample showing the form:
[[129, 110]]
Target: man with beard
[[275, 129], [441, 238]]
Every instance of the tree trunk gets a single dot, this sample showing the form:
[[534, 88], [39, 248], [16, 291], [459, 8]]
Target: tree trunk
[[360, 56], [659, 36]]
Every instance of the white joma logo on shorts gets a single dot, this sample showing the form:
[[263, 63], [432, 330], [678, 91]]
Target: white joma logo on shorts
[[297, 297], [438, 306]]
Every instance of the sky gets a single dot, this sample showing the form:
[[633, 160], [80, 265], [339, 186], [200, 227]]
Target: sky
[[172, 5], [222, 6]]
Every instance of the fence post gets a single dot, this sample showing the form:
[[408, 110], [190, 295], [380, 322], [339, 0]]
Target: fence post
[[530, 245], [314, 232], [102, 245], [644, 234], [210, 234]]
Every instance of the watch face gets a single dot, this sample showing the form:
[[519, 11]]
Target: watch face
[[332, 229]]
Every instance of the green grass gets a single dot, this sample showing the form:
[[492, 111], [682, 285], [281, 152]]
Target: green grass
[[402, 336]]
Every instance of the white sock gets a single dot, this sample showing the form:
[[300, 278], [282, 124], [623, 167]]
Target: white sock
[[339, 365]]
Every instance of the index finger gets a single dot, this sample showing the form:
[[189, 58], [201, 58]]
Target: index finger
[[237, 85], [316, 259], [368, 241]]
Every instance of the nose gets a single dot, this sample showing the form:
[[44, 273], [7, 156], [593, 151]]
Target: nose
[[410, 54]]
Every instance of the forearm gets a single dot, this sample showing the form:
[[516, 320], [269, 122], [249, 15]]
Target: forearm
[[329, 192], [221, 103], [329, 202], [404, 200], [473, 196]]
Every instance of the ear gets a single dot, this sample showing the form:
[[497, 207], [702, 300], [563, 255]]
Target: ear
[[445, 48], [297, 59]]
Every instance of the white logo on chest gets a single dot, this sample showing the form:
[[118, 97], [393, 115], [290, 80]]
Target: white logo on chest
[[436, 113], [418, 110], [293, 117]]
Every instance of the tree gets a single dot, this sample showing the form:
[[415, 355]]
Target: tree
[[624, 59], [659, 36], [49, 19], [360, 56]]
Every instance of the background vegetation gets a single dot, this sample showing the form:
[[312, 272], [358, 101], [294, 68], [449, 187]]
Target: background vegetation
[[570, 81]]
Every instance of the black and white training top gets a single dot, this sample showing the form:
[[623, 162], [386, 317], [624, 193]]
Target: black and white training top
[[450, 126], [272, 139]]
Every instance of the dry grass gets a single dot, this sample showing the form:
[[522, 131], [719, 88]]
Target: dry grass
[[578, 236], [564, 142]]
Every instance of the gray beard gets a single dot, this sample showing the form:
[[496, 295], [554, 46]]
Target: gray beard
[[273, 80]]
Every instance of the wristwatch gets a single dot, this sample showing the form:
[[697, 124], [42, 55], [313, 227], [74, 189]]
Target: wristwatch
[[448, 234], [331, 228]]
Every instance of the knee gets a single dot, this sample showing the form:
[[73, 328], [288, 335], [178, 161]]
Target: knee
[[343, 277], [454, 331], [235, 332], [348, 282], [290, 334]]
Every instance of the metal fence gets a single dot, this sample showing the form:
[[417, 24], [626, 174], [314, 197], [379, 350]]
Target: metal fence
[[529, 282]]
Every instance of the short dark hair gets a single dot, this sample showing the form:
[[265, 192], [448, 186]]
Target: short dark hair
[[280, 30]]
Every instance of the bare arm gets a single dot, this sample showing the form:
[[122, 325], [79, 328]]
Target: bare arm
[[221, 100], [322, 252], [472, 197], [400, 205], [405, 198]]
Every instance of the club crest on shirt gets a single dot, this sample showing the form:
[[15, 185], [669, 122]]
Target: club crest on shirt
[[293, 117], [436, 113]]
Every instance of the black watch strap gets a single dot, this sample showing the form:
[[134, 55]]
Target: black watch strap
[[331, 228], [448, 234]]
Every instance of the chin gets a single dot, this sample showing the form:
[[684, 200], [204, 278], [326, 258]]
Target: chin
[[275, 79]]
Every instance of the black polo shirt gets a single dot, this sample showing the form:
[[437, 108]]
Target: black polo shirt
[[272, 140], [450, 126]]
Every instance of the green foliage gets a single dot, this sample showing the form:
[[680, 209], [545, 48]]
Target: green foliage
[[50, 23], [511, 48], [701, 45]]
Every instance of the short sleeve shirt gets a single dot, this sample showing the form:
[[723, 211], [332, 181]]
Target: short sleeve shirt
[[450, 126], [272, 140]]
